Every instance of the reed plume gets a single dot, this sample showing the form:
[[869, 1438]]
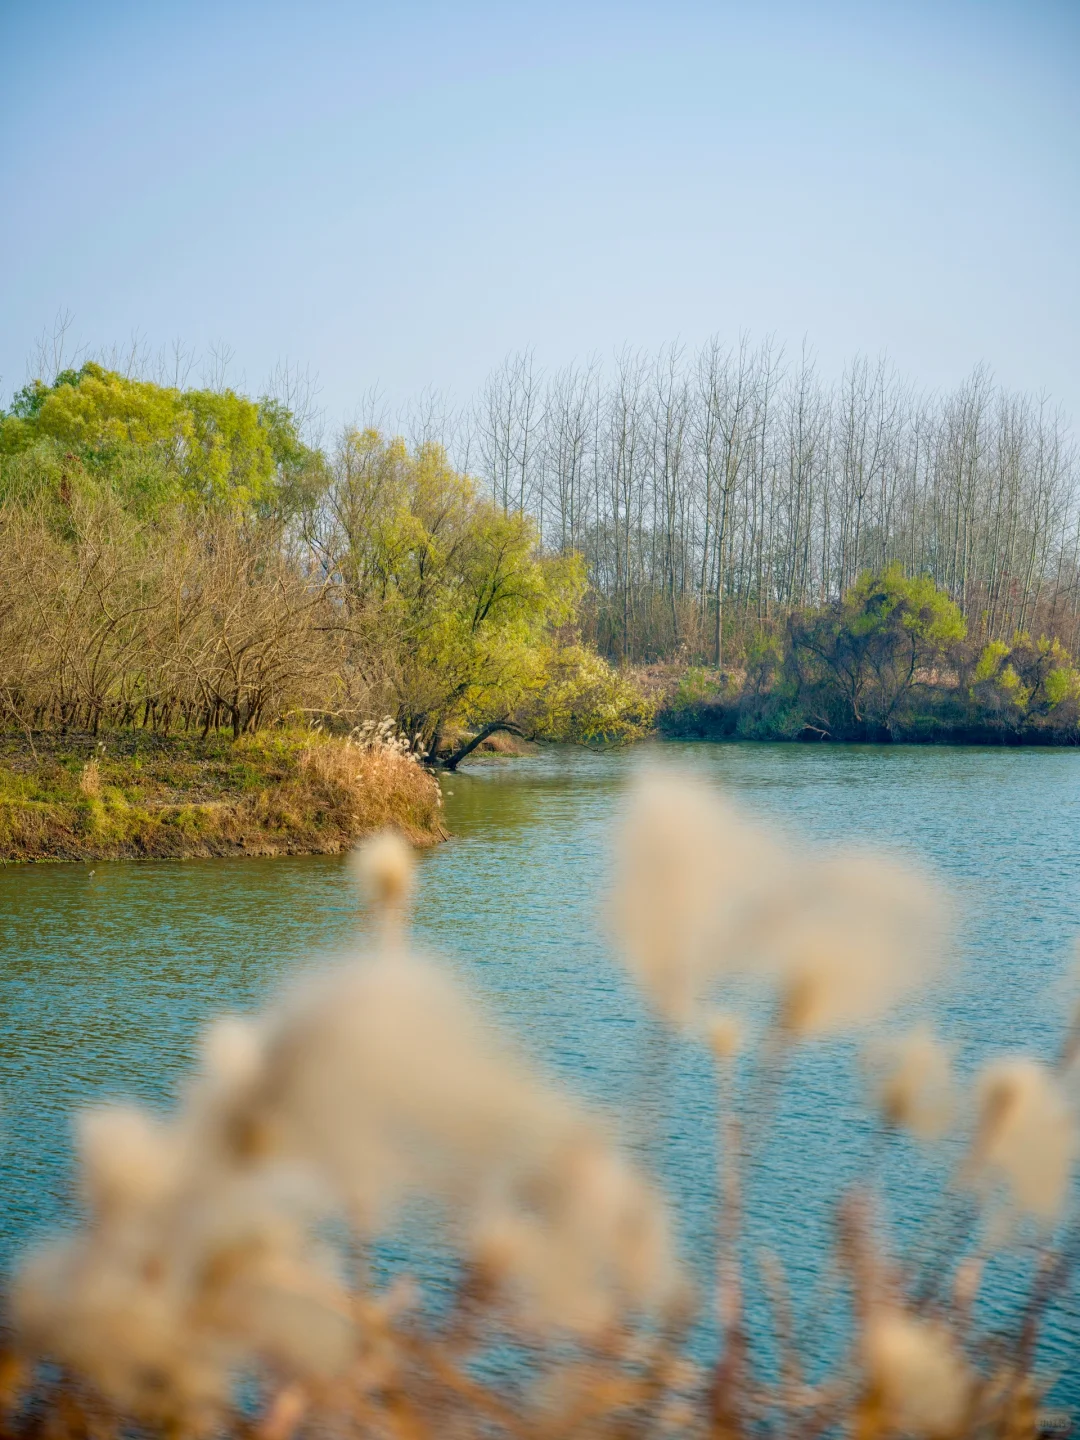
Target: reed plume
[[704, 893]]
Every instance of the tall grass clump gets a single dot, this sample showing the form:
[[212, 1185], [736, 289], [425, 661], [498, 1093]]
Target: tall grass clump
[[375, 778], [223, 1278]]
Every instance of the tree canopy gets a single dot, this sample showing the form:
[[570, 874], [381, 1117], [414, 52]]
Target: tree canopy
[[151, 443], [466, 620], [181, 558], [855, 662]]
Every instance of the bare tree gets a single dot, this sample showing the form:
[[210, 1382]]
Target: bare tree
[[712, 493]]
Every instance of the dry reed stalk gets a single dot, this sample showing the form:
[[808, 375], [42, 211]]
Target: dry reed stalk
[[90, 780]]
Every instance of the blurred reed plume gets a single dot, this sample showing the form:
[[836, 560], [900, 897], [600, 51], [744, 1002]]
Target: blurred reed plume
[[225, 1277], [706, 894]]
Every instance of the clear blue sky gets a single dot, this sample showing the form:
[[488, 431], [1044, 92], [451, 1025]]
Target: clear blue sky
[[399, 194]]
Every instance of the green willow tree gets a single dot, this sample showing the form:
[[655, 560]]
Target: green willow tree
[[455, 614], [855, 664]]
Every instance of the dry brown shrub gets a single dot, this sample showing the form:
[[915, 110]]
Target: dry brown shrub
[[192, 621]]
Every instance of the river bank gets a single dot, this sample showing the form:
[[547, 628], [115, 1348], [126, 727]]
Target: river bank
[[136, 795], [735, 720], [774, 704]]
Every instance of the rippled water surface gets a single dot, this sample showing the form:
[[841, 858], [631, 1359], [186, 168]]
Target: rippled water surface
[[108, 971]]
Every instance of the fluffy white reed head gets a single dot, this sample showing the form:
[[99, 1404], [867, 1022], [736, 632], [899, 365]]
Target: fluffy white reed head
[[383, 865], [917, 1373], [725, 1035], [1026, 1135], [851, 937], [912, 1081], [687, 868], [128, 1160], [383, 1077], [702, 892], [580, 1240], [232, 1052]]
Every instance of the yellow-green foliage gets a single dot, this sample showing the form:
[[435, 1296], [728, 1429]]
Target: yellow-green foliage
[[1033, 677], [278, 792], [855, 664], [1010, 682], [923, 610], [990, 661], [451, 594], [587, 699], [1062, 684], [217, 447]]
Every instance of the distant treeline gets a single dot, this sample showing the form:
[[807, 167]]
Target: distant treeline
[[713, 493], [181, 560], [185, 558]]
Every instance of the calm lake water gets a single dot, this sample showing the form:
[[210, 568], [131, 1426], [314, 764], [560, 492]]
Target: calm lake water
[[107, 972]]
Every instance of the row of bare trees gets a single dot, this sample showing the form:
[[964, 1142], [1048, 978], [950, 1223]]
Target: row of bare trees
[[713, 492], [192, 623]]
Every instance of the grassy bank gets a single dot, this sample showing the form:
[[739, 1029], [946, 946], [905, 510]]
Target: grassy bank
[[135, 795]]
